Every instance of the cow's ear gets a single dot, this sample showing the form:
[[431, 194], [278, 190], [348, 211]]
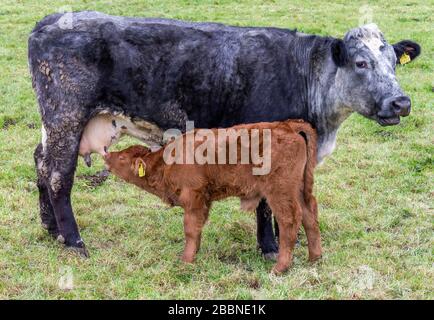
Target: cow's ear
[[406, 51], [139, 167], [339, 52]]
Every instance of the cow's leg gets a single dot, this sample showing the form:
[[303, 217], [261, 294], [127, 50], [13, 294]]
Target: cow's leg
[[311, 227], [46, 212], [61, 152], [276, 229], [265, 235]]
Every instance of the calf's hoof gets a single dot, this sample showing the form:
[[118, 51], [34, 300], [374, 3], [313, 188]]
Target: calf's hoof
[[279, 269], [315, 258], [187, 258]]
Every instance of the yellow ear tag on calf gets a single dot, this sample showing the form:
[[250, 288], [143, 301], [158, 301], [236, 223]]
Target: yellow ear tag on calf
[[405, 58], [141, 170]]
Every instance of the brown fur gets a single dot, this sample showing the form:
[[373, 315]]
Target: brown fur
[[288, 187]]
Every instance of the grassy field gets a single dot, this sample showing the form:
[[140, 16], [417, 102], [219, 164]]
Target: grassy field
[[375, 192]]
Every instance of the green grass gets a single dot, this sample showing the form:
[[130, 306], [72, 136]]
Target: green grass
[[375, 192]]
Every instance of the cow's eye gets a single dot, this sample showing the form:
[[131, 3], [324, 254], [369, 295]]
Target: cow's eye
[[361, 64]]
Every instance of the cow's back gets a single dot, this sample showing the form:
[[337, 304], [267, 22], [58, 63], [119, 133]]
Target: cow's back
[[167, 71]]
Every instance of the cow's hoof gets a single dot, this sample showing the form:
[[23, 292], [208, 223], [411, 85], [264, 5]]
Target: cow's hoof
[[269, 250], [78, 247], [82, 251], [271, 256]]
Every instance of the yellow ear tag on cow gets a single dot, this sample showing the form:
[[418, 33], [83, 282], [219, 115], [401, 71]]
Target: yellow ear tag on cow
[[141, 170], [405, 58]]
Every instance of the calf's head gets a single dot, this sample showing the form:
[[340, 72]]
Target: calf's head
[[365, 78], [128, 163]]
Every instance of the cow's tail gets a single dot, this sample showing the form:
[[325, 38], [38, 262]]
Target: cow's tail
[[310, 136]]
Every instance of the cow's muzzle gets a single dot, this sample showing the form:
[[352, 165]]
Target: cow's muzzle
[[392, 109], [401, 106]]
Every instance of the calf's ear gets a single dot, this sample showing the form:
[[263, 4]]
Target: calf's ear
[[139, 167], [339, 52], [406, 51]]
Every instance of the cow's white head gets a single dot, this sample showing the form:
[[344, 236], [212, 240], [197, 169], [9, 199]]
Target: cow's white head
[[366, 80]]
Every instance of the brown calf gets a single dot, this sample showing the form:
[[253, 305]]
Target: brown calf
[[287, 187]]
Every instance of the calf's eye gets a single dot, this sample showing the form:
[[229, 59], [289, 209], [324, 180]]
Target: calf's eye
[[361, 64]]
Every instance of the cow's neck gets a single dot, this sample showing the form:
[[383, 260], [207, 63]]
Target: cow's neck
[[327, 124], [325, 108]]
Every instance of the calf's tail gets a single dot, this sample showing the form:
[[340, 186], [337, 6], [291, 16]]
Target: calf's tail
[[310, 136]]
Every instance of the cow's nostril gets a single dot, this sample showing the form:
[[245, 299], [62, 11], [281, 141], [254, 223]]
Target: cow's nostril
[[401, 106], [396, 107]]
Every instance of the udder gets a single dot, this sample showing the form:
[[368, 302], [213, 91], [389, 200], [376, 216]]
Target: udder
[[100, 133], [106, 129]]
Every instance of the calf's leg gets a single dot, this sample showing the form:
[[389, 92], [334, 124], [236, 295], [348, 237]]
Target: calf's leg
[[194, 220], [311, 227], [288, 214], [265, 235]]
